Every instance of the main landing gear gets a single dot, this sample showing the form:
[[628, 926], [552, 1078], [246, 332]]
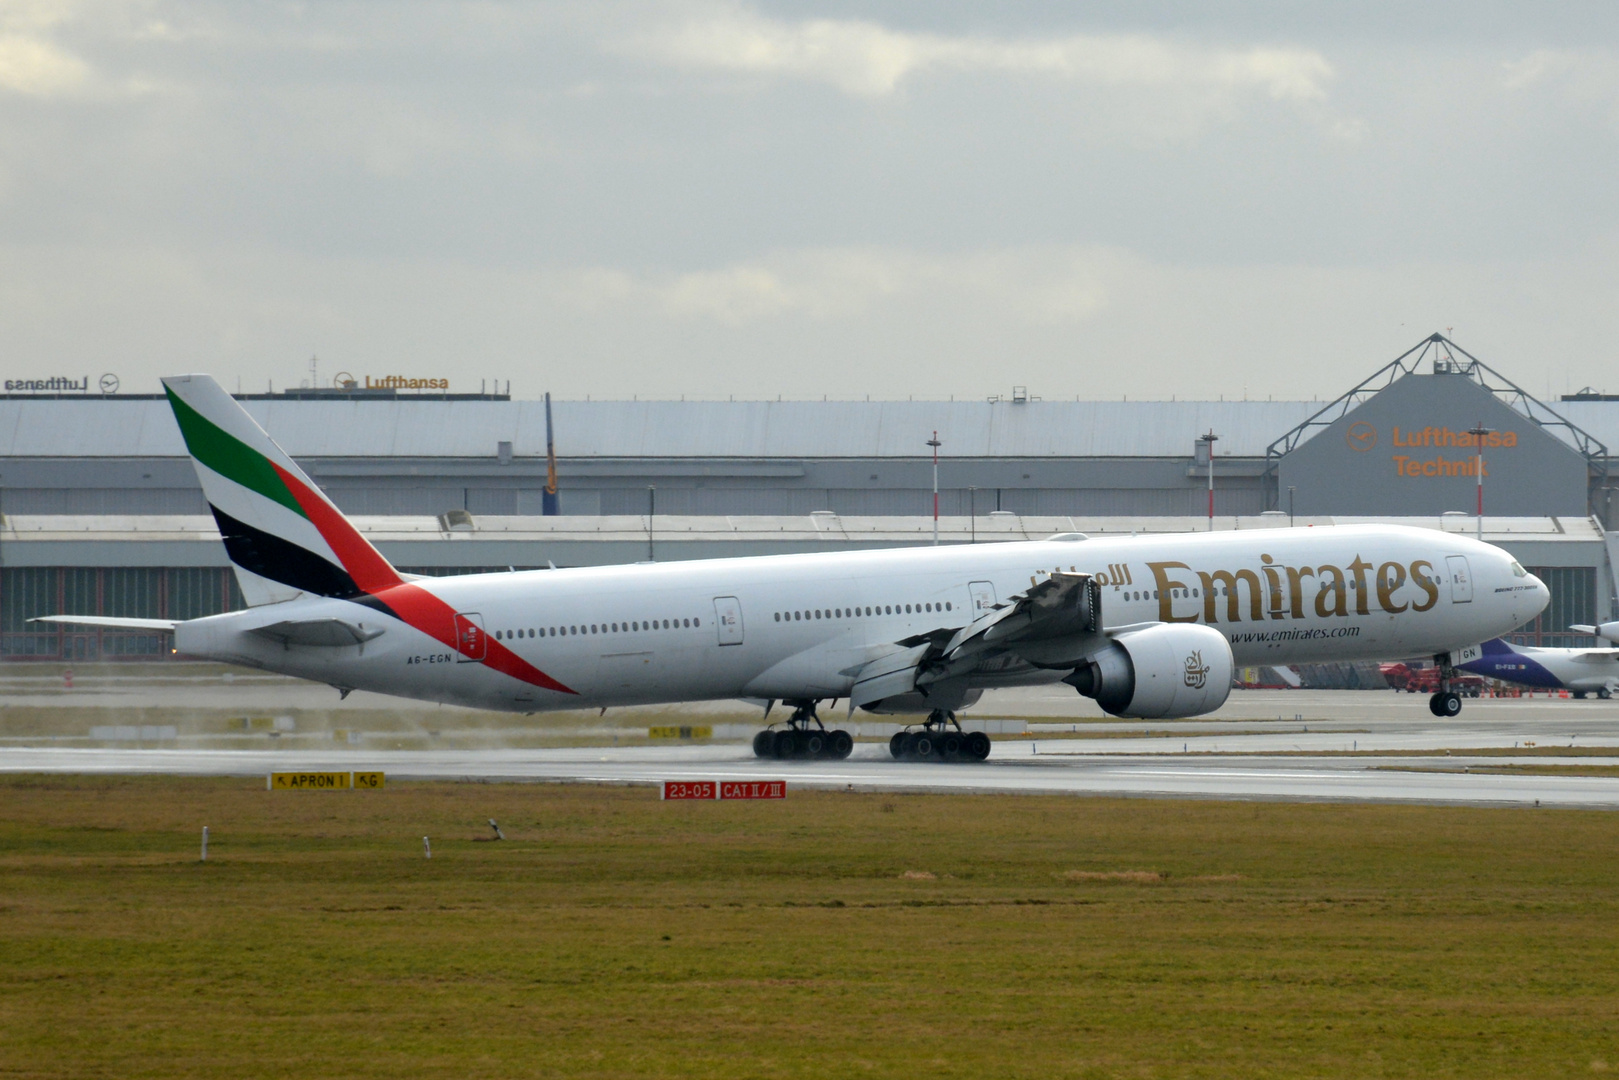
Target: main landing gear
[[937, 742], [1447, 702], [799, 740]]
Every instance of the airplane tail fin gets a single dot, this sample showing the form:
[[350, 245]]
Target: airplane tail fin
[[283, 535]]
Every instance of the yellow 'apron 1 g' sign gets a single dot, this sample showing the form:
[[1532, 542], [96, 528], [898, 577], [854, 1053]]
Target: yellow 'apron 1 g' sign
[[702, 731], [322, 781]]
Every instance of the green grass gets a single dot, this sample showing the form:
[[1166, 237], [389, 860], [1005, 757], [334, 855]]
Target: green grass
[[827, 935]]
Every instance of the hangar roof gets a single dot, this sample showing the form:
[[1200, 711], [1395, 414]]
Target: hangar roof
[[130, 427]]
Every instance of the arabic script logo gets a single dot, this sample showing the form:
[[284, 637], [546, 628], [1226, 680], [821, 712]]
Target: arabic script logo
[[1360, 435], [1197, 672]]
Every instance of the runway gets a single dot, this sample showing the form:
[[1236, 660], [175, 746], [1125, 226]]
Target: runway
[[1299, 745], [870, 769]]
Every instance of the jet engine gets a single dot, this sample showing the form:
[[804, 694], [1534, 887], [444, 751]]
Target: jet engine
[[1160, 672]]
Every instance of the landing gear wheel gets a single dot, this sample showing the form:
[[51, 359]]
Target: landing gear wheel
[[950, 745], [896, 745], [786, 745], [814, 744], [923, 747], [977, 746], [1447, 703], [764, 744], [839, 745], [1604, 693]]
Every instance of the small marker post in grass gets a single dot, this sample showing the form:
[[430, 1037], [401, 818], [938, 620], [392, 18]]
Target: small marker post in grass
[[427, 848], [204, 844]]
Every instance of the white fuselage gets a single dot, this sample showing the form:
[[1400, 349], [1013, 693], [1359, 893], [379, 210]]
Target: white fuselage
[[802, 626]]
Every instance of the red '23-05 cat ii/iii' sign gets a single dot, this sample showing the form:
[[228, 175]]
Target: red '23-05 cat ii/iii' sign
[[724, 789]]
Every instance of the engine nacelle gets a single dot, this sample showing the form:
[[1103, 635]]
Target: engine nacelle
[[1159, 673]]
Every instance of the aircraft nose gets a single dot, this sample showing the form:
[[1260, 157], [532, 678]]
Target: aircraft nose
[[1543, 595]]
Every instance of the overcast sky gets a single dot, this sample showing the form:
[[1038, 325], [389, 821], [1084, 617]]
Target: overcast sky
[[909, 198]]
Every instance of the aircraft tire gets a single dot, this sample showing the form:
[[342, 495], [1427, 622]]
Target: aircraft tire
[[1604, 693], [839, 745], [977, 746], [1579, 695], [923, 748], [1446, 704], [786, 745], [896, 745], [764, 744], [951, 745], [814, 744]]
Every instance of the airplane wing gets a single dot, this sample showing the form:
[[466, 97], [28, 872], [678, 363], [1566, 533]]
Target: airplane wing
[[331, 633], [109, 622], [1054, 624]]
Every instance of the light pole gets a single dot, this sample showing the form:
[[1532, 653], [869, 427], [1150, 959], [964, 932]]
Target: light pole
[[1290, 490], [651, 513], [972, 512], [935, 443], [1478, 431], [1208, 442]]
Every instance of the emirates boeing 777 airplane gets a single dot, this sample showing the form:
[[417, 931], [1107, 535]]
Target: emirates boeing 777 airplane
[[1148, 626]]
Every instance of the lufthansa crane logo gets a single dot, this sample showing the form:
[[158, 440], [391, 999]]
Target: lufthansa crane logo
[[1197, 672], [1360, 435]]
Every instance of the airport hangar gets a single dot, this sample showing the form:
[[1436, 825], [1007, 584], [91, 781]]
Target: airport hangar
[[100, 511]]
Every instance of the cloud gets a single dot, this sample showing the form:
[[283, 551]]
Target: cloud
[[829, 284], [34, 67], [866, 59]]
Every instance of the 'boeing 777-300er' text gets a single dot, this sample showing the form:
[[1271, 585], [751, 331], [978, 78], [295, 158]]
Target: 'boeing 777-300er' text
[[1149, 626]]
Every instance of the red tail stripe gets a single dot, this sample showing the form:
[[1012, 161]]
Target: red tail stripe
[[434, 617], [364, 563], [418, 607]]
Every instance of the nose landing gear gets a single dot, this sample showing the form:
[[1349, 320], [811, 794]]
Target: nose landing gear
[[1447, 703], [799, 740], [937, 742]]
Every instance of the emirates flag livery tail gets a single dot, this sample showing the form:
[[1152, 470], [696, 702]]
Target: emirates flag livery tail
[[281, 533], [285, 538]]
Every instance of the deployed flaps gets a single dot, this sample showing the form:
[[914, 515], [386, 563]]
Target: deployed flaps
[[1052, 625]]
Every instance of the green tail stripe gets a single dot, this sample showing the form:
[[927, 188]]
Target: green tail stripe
[[229, 456]]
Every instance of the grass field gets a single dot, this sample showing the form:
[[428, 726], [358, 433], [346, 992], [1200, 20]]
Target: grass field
[[827, 935]]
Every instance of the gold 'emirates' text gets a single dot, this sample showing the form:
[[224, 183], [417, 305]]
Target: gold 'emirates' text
[[1282, 592]]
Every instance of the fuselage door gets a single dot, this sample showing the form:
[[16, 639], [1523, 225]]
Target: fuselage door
[[1461, 579], [983, 594], [728, 617], [470, 641]]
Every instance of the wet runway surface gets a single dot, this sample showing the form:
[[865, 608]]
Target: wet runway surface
[[1303, 745], [1009, 770]]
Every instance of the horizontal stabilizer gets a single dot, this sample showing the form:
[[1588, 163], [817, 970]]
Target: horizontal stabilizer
[[111, 622], [329, 633]]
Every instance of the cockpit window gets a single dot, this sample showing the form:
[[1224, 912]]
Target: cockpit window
[[1518, 571]]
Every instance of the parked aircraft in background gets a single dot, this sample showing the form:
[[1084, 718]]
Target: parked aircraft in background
[[1148, 626], [1582, 671]]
